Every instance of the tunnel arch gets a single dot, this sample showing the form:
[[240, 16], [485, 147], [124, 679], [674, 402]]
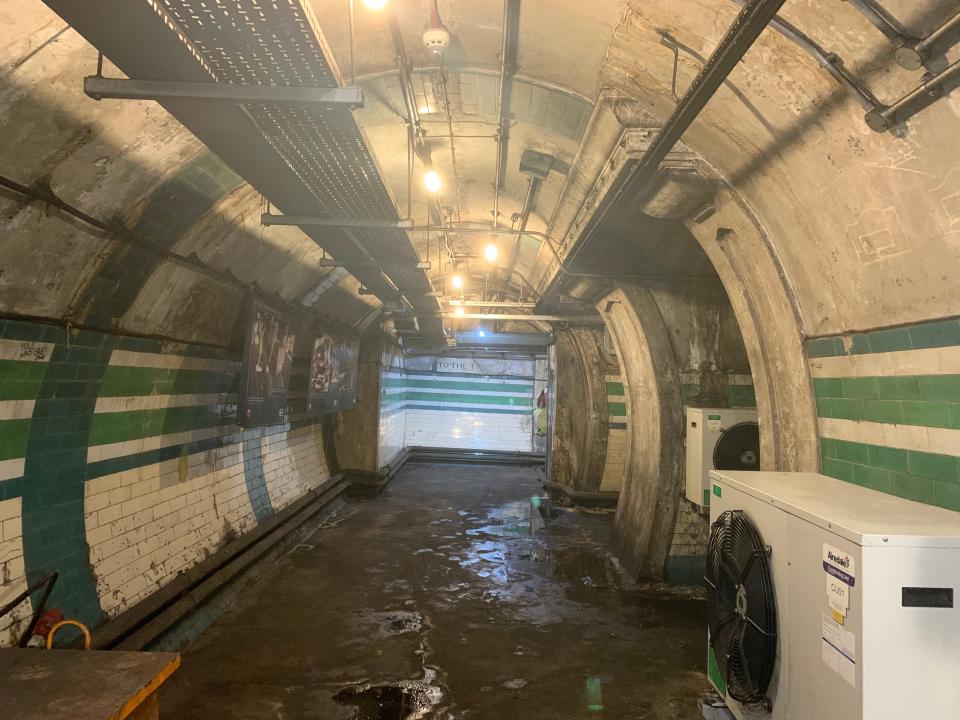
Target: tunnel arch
[[837, 247]]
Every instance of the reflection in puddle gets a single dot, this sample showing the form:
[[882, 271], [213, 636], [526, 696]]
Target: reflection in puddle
[[588, 566]]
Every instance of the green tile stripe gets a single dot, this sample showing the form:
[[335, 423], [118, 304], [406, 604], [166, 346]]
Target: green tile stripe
[[472, 410], [742, 395], [468, 399], [935, 334], [615, 389], [55, 463], [123, 381], [20, 380], [924, 477], [457, 385], [737, 395], [925, 400], [616, 409], [933, 388], [13, 438], [113, 427]]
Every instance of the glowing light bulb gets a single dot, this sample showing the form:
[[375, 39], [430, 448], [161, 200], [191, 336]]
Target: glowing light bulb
[[375, 5], [458, 311], [457, 282], [483, 333], [432, 181], [490, 253]]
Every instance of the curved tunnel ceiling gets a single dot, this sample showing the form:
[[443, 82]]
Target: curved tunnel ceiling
[[848, 213]]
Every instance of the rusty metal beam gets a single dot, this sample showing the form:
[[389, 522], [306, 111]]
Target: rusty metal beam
[[101, 88]]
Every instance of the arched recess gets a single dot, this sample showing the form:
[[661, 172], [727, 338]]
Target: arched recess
[[646, 513], [770, 322], [578, 447]]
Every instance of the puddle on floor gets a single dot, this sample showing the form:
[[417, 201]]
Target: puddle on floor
[[404, 700], [509, 519], [589, 566], [398, 622]]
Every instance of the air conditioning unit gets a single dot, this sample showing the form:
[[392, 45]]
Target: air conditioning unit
[[719, 439], [829, 600]]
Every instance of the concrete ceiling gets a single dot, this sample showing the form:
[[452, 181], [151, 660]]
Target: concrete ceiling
[[783, 137]]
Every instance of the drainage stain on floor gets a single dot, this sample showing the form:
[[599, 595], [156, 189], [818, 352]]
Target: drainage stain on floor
[[450, 596]]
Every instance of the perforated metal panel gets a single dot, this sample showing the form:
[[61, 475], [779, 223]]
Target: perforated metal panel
[[305, 160], [253, 42]]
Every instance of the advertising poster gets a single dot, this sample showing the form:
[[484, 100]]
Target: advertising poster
[[333, 374], [265, 374]]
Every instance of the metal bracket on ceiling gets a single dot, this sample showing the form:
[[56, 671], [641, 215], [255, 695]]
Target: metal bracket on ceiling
[[583, 319], [348, 264], [311, 220], [489, 303], [100, 88]]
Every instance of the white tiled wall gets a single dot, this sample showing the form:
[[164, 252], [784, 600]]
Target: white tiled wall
[[392, 418], [147, 524], [12, 574], [469, 429], [614, 468]]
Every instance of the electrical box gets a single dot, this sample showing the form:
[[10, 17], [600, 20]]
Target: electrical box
[[864, 588], [719, 439]]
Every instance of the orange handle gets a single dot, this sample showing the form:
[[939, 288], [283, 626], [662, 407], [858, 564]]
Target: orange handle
[[87, 640]]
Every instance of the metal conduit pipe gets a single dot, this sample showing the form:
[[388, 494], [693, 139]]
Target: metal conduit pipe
[[912, 55], [751, 21], [829, 61], [881, 19], [528, 204], [884, 117], [45, 195], [508, 65]]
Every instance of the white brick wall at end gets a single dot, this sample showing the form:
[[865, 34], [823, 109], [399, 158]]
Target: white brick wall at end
[[471, 430]]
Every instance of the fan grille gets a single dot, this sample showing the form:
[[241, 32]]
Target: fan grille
[[738, 448], [742, 612]]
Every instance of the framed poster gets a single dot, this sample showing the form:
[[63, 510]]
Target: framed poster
[[332, 385], [265, 374]]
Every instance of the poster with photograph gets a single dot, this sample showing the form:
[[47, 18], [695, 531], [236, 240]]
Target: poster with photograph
[[333, 374], [265, 375]]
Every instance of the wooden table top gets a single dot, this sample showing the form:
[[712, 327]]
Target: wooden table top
[[79, 684]]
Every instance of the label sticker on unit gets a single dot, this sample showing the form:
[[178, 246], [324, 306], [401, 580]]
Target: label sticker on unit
[[838, 649], [839, 564], [838, 594], [713, 422]]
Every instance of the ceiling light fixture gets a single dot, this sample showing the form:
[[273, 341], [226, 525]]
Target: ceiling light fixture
[[457, 281], [490, 253], [375, 5], [432, 181]]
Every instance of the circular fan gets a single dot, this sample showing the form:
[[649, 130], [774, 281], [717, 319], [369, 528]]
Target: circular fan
[[738, 448], [742, 613]]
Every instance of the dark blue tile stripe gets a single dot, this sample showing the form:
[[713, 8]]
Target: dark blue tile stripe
[[921, 336]]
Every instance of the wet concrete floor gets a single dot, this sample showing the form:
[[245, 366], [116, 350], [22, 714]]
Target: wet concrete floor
[[436, 600]]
